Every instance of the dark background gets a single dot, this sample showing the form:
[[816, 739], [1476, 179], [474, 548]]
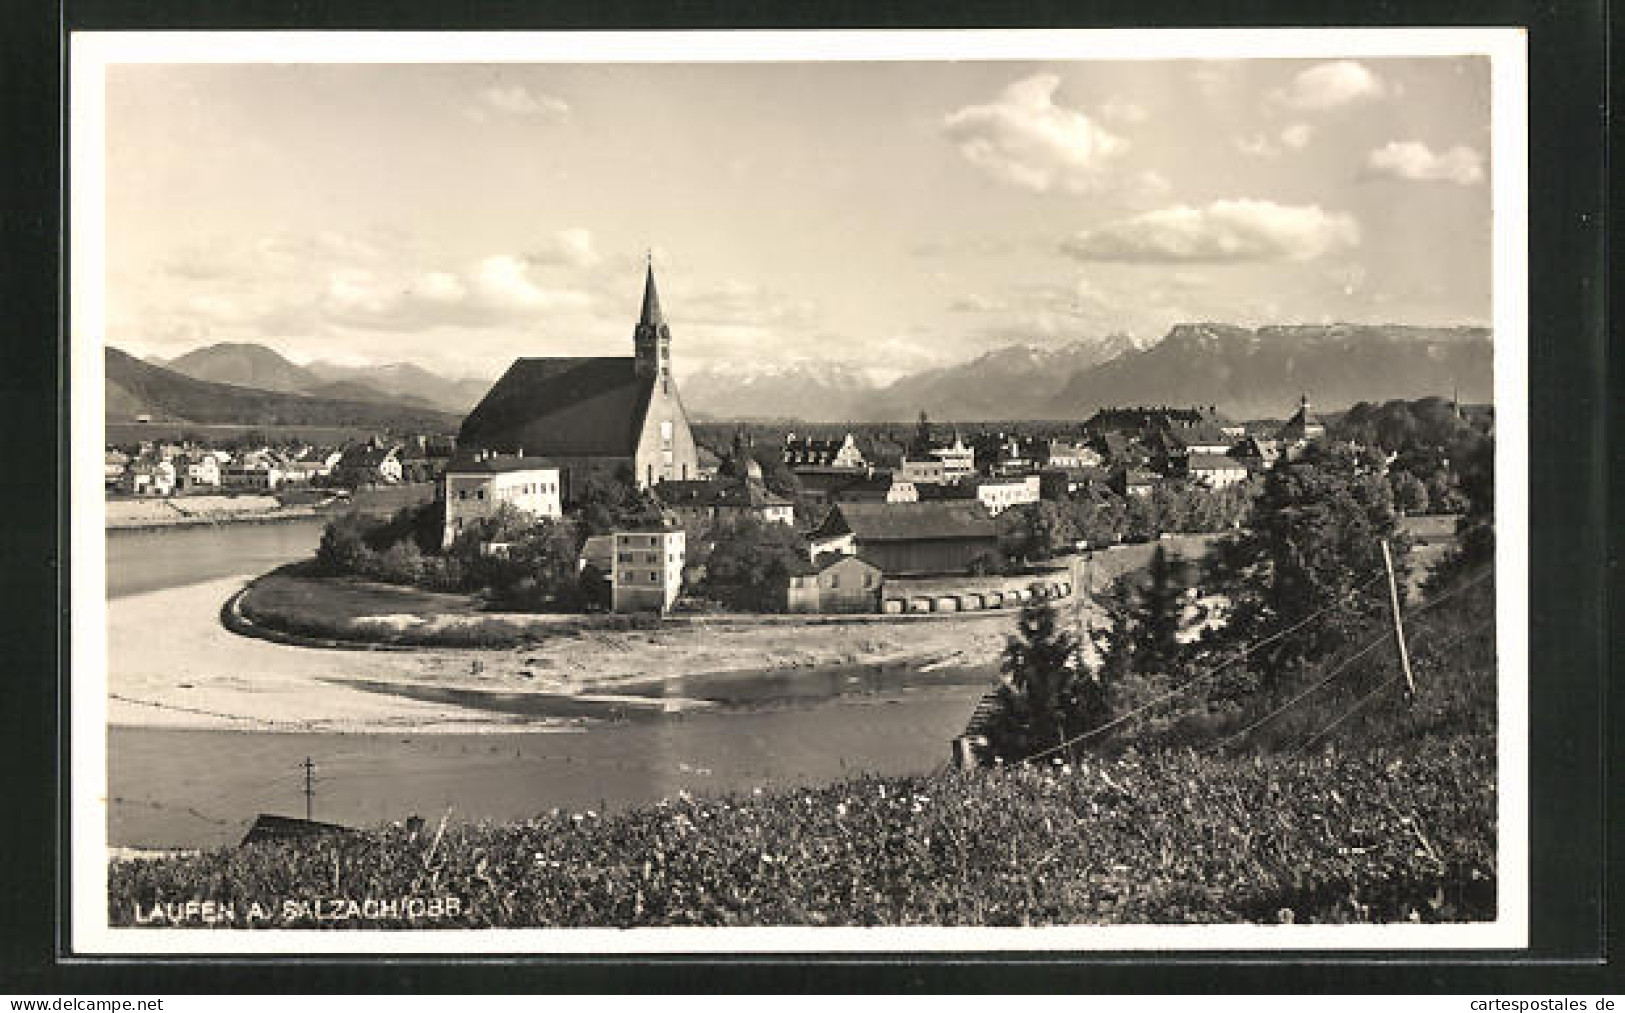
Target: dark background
[[1572, 548]]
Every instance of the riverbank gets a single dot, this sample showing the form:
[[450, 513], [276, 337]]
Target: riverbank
[[197, 674]]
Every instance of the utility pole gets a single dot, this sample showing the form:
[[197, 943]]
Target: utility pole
[[310, 789], [1399, 626]]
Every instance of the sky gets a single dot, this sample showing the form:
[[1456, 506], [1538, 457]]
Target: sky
[[889, 216]]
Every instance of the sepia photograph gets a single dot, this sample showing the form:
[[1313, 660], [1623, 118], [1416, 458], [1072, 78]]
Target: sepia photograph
[[799, 491]]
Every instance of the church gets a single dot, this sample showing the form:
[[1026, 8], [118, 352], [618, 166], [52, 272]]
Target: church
[[593, 417]]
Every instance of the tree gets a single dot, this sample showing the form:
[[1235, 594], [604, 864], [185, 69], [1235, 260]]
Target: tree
[[1050, 696], [1157, 618], [751, 562], [1036, 530], [615, 501], [1314, 549], [923, 439], [343, 547], [1410, 493]]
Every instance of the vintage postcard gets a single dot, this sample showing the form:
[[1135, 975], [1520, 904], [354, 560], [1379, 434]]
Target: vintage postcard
[[798, 491]]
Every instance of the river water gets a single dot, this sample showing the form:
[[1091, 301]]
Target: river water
[[177, 788]]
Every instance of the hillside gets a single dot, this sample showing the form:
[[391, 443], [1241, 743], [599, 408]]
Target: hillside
[[135, 387], [244, 365], [405, 382]]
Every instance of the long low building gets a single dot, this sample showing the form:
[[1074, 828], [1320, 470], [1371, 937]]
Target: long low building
[[911, 538]]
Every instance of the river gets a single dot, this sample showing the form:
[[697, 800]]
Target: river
[[170, 788]]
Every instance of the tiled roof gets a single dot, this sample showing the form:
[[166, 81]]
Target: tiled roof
[[565, 407], [703, 493], [1214, 462], [883, 522], [496, 464]]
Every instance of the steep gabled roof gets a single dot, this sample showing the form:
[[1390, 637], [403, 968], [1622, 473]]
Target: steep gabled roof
[[565, 407], [906, 522]]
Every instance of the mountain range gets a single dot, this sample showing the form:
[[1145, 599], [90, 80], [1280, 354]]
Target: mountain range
[[1244, 372], [400, 383], [137, 388]]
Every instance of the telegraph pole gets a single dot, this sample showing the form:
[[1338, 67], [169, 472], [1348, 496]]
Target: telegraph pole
[[310, 788], [1399, 626]]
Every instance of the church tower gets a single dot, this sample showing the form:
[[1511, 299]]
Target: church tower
[[651, 339]]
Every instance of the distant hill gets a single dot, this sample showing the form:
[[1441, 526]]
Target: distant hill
[[1013, 381], [1260, 373], [136, 388], [411, 384], [767, 390], [244, 365]]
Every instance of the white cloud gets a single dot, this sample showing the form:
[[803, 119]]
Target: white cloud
[[1025, 139], [1297, 135], [1257, 145], [972, 302], [1121, 110], [1226, 231], [1328, 85], [495, 291], [517, 100], [1415, 161], [567, 247]]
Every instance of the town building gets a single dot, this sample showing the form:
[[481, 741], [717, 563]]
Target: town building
[[879, 487], [147, 476], [1216, 471], [724, 500], [909, 539], [648, 569], [1301, 429], [1133, 482], [1068, 455], [997, 493], [597, 417], [114, 463], [477, 485], [923, 470], [370, 463], [810, 452], [834, 583], [958, 460], [196, 471], [1001, 493]]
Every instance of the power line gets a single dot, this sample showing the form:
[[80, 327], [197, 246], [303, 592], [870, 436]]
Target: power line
[[1362, 652], [1358, 704], [1187, 684]]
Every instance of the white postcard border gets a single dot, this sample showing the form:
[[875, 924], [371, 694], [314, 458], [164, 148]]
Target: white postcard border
[[91, 53]]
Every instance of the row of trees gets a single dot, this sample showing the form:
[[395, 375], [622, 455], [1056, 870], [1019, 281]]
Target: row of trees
[[1052, 527]]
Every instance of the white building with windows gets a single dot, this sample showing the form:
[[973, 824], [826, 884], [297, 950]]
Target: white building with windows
[[1000, 494], [958, 460], [476, 487], [923, 471], [648, 569]]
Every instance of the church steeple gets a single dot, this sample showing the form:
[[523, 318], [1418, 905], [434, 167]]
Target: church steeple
[[651, 339], [651, 315]]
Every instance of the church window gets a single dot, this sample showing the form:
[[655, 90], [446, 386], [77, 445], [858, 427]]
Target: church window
[[665, 432]]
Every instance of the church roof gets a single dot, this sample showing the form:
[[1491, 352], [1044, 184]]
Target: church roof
[[565, 407]]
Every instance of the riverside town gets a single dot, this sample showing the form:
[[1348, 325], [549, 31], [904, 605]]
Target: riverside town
[[971, 513]]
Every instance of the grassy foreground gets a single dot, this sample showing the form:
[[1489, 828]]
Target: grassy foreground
[[1170, 838]]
